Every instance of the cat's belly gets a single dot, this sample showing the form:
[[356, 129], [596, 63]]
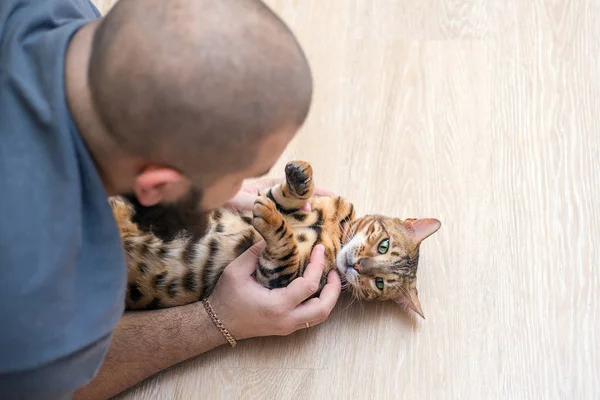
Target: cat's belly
[[166, 274]]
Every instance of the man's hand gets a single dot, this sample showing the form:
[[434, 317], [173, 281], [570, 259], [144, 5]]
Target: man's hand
[[245, 198], [146, 342], [248, 309]]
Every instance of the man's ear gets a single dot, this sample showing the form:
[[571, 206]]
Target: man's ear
[[151, 184]]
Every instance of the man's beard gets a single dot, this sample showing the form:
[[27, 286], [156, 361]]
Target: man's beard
[[169, 220]]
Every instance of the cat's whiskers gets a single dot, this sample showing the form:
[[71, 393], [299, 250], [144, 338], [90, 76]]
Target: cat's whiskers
[[357, 293], [360, 302], [351, 231], [352, 300], [344, 233], [345, 237], [405, 293]]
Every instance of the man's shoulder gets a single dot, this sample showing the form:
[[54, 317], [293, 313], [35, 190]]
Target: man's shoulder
[[31, 30], [10, 9], [62, 281], [34, 37]]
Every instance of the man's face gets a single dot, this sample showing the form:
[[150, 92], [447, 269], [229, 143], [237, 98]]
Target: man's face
[[183, 205], [226, 187]]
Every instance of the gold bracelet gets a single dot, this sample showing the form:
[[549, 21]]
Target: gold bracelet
[[218, 323]]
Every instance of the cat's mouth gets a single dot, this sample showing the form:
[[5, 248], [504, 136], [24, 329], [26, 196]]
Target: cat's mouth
[[349, 277], [343, 265], [346, 268], [345, 258]]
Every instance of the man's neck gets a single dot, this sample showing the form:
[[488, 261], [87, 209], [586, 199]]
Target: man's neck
[[115, 168]]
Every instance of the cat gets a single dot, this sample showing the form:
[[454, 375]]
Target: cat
[[376, 255]]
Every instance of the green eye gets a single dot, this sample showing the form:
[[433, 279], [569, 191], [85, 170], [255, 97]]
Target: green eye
[[384, 246], [379, 283]]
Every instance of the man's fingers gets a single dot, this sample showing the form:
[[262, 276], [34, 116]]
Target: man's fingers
[[314, 269], [266, 183], [322, 192], [243, 201], [310, 325], [248, 261], [317, 310], [332, 289], [318, 192], [303, 287]]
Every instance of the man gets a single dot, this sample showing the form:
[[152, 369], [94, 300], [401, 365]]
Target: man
[[176, 102]]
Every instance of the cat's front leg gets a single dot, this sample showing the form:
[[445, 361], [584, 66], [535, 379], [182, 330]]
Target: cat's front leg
[[291, 196], [278, 264]]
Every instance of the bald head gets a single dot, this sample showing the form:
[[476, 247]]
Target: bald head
[[196, 84]]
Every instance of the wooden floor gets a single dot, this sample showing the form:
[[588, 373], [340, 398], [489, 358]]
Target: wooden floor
[[486, 115]]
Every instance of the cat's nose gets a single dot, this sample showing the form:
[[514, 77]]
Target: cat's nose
[[362, 263]]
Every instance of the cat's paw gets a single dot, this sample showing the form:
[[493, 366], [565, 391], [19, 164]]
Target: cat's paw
[[265, 211], [299, 176]]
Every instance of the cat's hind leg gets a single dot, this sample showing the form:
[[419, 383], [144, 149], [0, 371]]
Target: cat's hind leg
[[299, 187], [278, 264]]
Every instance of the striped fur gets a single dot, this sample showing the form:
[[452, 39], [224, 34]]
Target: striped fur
[[183, 270]]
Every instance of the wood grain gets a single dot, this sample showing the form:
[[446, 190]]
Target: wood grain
[[483, 114]]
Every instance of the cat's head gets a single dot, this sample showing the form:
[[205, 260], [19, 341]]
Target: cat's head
[[380, 259]]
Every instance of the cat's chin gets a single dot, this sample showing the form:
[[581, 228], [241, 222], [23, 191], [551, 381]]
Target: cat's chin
[[351, 276], [342, 267], [345, 258], [350, 280], [340, 262], [347, 273]]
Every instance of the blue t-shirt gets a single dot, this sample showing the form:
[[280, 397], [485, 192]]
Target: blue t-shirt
[[62, 268]]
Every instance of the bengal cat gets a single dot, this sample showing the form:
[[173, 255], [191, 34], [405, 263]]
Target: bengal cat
[[377, 256]]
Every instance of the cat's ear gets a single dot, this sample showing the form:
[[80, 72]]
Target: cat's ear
[[411, 299], [421, 229]]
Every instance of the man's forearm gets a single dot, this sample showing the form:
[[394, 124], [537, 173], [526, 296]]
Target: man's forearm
[[147, 342]]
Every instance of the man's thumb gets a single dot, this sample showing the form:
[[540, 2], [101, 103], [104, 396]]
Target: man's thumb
[[246, 263]]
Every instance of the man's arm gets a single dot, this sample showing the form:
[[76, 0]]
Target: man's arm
[[146, 342]]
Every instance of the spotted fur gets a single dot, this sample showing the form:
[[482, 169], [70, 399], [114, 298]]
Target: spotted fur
[[185, 269]]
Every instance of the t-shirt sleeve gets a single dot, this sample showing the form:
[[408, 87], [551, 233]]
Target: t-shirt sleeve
[[62, 267], [54, 381]]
